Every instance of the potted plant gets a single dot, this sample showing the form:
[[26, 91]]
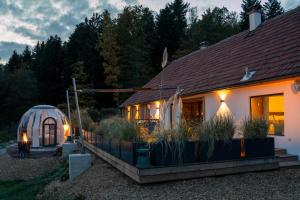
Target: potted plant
[[257, 144], [216, 140]]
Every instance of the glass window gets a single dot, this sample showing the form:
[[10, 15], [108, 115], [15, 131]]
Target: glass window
[[193, 111], [270, 107]]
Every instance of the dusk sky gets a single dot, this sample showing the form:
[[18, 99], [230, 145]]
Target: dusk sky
[[26, 22]]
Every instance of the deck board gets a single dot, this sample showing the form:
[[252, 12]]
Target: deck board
[[163, 174]]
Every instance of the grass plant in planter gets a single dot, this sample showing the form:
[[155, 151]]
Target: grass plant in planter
[[120, 138], [216, 140], [168, 150], [257, 144]]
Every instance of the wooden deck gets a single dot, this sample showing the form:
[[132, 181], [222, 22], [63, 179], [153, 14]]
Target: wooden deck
[[162, 174]]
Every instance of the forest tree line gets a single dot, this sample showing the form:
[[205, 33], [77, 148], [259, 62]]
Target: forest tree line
[[106, 52]]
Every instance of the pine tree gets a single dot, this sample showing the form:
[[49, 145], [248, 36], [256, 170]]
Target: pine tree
[[26, 58], [216, 24], [14, 62], [246, 4], [108, 49], [171, 26], [272, 8]]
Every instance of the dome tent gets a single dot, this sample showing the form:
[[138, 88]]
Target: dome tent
[[43, 125]]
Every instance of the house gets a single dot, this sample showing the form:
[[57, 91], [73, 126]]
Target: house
[[255, 73]]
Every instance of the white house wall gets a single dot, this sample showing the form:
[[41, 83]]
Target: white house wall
[[238, 103]]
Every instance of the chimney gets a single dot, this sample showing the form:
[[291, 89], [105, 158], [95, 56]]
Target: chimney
[[254, 17], [203, 45]]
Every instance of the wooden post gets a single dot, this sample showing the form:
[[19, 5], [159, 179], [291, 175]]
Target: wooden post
[[78, 115], [69, 114]]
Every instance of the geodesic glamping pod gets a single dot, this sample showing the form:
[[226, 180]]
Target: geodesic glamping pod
[[43, 125]]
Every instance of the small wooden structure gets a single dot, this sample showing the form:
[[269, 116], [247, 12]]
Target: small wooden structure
[[163, 174]]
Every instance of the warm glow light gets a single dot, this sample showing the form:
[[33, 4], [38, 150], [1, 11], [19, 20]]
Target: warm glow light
[[66, 129], [128, 113], [223, 109], [24, 137], [223, 94], [136, 112], [157, 104]]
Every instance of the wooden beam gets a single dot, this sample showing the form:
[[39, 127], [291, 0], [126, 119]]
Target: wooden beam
[[121, 90]]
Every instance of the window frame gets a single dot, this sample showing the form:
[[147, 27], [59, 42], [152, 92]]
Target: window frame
[[268, 95]]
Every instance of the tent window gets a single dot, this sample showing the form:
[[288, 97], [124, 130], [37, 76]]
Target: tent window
[[270, 107]]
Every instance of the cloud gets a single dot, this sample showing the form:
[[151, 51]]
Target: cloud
[[28, 21], [6, 49], [290, 4]]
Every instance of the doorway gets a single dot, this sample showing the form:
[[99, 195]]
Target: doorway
[[49, 132]]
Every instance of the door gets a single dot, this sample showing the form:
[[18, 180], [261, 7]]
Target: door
[[49, 132]]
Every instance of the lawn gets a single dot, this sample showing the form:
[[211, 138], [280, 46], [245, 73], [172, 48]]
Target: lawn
[[28, 189]]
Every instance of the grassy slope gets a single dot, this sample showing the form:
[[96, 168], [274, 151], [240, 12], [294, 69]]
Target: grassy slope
[[27, 189]]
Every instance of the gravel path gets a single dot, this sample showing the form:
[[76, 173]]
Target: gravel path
[[102, 181], [14, 168]]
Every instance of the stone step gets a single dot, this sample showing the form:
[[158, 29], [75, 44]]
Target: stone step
[[279, 151], [289, 164], [287, 157]]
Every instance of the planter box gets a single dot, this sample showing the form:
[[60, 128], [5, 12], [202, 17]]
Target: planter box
[[257, 148], [99, 141], [191, 153], [115, 148], [106, 144], [166, 154], [222, 151], [128, 151]]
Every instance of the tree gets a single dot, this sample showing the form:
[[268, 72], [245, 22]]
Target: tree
[[246, 4], [108, 49], [272, 8], [26, 57], [19, 90], [171, 26], [216, 24], [50, 71], [14, 62]]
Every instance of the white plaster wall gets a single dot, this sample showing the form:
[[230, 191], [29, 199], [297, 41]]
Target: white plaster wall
[[238, 102]]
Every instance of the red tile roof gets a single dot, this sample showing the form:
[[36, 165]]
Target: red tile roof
[[272, 50]]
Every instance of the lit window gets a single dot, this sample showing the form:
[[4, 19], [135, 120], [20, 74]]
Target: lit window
[[128, 113], [270, 107]]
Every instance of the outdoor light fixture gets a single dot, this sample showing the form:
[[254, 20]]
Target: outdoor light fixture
[[223, 109], [24, 137]]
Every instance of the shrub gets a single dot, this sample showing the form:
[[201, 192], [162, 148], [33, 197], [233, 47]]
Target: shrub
[[255, 128], [87, 122], [119, 128]]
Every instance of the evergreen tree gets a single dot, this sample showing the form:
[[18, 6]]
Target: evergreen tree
[[246, 4], [135, 31], [272, 8], [14, 62], [50, 71], [26, 58], [19, 90], [108, 49], [171, 26], [216, 24]]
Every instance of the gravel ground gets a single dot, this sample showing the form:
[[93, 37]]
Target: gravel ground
[[102, 181], [14, 168]]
